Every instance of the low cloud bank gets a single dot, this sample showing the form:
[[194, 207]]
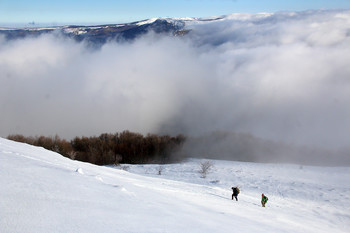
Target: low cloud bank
[[248, 148], [283, 77]]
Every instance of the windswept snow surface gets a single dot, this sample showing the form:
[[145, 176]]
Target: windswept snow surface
[[41, 191]]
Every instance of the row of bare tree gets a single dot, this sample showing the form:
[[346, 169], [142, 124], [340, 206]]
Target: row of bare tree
[[124, 147]]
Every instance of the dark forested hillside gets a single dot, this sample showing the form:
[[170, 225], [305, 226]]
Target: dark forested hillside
[[124, 147]]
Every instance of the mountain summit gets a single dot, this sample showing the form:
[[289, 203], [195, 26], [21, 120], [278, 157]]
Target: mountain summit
[[100, 34]]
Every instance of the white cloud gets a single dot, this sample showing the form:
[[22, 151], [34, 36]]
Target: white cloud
[[282, 76]]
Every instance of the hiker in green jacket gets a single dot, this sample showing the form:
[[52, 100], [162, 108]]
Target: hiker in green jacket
[[263, 200]]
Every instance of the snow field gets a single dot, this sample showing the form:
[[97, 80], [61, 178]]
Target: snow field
[[41, 191]]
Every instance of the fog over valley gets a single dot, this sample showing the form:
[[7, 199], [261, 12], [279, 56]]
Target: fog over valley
[[280, 79]]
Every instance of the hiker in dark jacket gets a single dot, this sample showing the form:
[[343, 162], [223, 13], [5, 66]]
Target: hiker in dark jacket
[[263, 200], [235, 192]]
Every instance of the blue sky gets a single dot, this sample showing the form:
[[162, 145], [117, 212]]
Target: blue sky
[[57, 12]]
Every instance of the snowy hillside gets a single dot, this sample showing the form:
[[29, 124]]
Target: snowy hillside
[[42, 191]]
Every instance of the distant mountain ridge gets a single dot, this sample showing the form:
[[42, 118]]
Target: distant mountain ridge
[[98, 35], [102, 33], [216, 30]]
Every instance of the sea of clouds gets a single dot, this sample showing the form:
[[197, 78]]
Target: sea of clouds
[[282, 77]]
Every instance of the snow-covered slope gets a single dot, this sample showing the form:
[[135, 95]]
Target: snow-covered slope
[[42, 191]]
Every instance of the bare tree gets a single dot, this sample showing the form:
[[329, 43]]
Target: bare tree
[[160, 169], [124, 167], [72, 154], [205, 167], [118, 159]]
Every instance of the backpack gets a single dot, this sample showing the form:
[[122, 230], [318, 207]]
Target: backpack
[[236, 188], [265, 199]]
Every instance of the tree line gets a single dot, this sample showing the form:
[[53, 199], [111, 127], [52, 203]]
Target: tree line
[[124, 147]]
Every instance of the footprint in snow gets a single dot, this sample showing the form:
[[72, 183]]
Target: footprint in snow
[[80, 171], [7, 152], [124, 190]]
